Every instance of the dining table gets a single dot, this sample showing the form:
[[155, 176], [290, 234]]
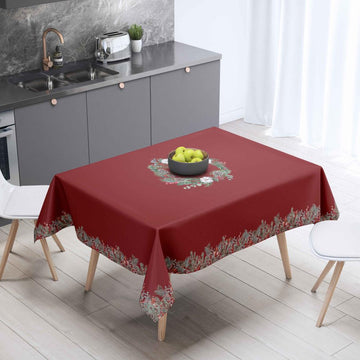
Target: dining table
[[132, 209]]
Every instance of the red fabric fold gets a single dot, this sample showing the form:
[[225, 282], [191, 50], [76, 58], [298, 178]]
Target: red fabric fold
[[157, 293]]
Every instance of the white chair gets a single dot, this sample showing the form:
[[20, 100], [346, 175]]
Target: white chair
[[337, 242], [23, 202]]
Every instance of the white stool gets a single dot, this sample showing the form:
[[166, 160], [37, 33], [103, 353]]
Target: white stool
[[336, 241]]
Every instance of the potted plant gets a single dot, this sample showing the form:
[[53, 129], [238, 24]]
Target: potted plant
[[136, 33]]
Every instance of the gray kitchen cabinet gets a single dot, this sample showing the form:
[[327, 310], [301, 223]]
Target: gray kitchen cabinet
[[51, 138], [110, 120], [184, 101], [118, 118]]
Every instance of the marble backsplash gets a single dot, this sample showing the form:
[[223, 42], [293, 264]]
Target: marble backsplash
[[79, 21]]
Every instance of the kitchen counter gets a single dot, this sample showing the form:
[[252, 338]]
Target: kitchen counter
[[153, 60]]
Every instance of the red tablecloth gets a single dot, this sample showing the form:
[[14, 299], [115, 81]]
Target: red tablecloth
[[132, 210]]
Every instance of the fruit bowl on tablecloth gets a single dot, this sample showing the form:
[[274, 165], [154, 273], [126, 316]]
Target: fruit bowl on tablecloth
[[188, 161]]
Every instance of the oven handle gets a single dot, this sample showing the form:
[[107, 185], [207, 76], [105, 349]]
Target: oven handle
[[6, 133]]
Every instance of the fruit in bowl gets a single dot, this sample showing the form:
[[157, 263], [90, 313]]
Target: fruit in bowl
[[188, 161]]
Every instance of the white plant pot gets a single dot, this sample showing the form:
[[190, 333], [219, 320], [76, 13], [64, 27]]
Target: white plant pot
[[136, 45]]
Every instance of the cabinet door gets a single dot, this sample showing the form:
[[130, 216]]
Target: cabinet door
[[51, 138], [118, 119], [184, 101]]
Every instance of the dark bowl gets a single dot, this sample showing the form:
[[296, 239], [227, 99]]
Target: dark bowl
[[188, 169]]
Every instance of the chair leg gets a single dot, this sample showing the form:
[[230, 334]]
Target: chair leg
[[330, 292], [9, 245], [58, 243], [281, 238], [92, 268], [48, 258], [14, 223], [327, 268]]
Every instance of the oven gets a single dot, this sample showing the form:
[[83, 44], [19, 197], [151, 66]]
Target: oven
[[8, 150]]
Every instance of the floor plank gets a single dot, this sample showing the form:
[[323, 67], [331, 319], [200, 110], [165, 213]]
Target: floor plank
[[349, 327], [36, 330], [351, 307], [301, 280], [289, 319], [351, 352], [272, 335], [290, 296], [33, 265], [70, 323], [141, 336], [12, 346]]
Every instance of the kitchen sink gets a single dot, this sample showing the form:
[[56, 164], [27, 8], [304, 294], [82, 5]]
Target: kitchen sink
[[89, 74], [42, 83], [70, 74]]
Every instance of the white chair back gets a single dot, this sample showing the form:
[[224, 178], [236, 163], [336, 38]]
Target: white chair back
[[5, 191]]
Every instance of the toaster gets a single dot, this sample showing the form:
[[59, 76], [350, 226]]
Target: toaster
[[113, 46]]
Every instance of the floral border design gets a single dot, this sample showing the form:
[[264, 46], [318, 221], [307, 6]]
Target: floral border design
[[229, 245], [61, 222], [113, 253], [157, 304], [160, 168]]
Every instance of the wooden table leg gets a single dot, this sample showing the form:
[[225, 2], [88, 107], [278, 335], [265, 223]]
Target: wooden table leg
[[162, 328], [48, 258], [281, 238], [92, 267], [58, 243]]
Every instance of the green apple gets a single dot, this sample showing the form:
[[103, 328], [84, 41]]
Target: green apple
[[195, 159], [198, 154], [188, 153], [179, 157], [180, 149]]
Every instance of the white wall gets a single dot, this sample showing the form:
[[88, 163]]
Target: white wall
[[218, 26]]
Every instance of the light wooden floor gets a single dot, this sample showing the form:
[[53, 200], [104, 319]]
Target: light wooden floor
[[239, 308]]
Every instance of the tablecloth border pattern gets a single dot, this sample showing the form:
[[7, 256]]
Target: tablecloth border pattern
[[157, 304], [160, 168], [229, 245]]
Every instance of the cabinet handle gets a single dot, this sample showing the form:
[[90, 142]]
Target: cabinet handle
[[187, 69], [53, 102], [121, 85]]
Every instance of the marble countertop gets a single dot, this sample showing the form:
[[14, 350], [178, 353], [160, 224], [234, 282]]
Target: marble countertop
[[152, 60]]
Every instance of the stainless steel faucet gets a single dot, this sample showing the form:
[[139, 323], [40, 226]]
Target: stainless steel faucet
[[46, 62]]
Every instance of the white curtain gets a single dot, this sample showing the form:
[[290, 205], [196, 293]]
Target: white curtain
[[303, 70]]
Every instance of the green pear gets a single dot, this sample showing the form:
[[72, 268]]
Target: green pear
[[188, 153], [195, 159], [198, 154], [179, 157], [180, 149]]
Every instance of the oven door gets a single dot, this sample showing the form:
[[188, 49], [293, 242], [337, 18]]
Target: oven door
[[8, 155]]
